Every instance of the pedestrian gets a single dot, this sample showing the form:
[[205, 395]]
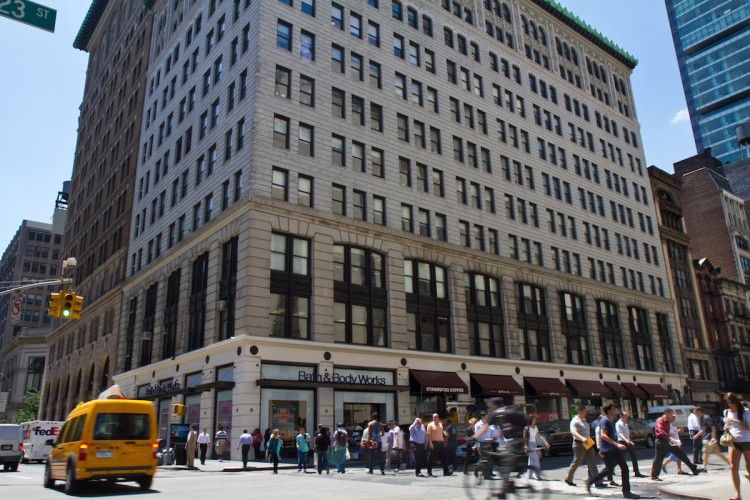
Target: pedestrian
[[245, 442], [322, 443], [623, 437], [737, 417], [598, 440], [302, 449], [364, 446], [340, 447], [273, 450], [257, 440], [375, 436], [451, 445], [611, 451], [583, 446], [418, 438], [710, 442], [695, 431], [484, 435], [674, 440], [470, 442], [396, 437], [190, 447], [436, 444], [220, 441], [203, 441], [530, 437], [267, 436], [664, 446]]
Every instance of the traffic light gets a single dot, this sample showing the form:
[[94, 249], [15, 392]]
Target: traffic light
[[75, 311], [178, 410], [67, 304], [53, 310]]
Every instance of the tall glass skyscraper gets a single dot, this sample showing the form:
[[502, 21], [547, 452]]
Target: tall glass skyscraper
[[712, 41]]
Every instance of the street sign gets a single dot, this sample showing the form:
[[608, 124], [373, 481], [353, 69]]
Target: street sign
[[15, 311], [30, 13]]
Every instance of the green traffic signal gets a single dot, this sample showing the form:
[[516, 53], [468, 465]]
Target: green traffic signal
[[67, 304]]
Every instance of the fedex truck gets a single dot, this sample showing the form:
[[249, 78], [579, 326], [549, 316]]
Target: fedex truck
[[38, 437]]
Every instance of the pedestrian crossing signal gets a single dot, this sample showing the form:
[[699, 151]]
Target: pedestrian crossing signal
[[178, 410]]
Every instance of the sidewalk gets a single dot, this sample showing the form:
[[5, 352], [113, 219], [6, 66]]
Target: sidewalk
[[715, 485], [234, 466]]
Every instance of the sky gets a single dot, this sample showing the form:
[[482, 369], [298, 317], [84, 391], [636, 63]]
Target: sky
[[42, 78]]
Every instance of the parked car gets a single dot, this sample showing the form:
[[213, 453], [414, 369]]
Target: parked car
[[557, 434], [11, 446], [641, 432]]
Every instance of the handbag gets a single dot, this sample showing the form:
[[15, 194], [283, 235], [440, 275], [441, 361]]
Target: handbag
[[726, 439]]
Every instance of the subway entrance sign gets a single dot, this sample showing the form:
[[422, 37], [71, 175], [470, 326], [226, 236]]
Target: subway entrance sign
[[30, 13]]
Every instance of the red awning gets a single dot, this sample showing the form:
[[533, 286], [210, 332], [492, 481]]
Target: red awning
[[655, 391], [590, 388], [635, 391], [618, 390], [438, 382], [497, 385], [548, 386]]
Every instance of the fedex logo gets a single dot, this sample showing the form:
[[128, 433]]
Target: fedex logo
[[40, 431]]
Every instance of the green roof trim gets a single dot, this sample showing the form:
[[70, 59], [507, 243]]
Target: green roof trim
[[587, 31], [89, 24]]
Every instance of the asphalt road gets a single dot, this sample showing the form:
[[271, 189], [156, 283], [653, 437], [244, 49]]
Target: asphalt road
[[26, 483]]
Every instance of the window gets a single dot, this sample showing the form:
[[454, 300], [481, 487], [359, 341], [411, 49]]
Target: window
[[639, 330], [360, 298], [533, 323], [376, 117], [378, 210], [305, 191], [290, 298], [338, 199], [308, 7], [307, 91], [337, 58], [283, 82], [359, 205], [279, 184], [373, 33], [574, 328], [358, 155], [407, 218], [307, 45], [284, 35], [427, 307], [338, 106], [306, 140], [355, 25], [610, 334], [281, 132], [375, 75], [338, 144], [484, 316], [337, 16], [398, 46]]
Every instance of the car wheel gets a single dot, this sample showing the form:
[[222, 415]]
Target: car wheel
[[145, 482], [649, 441], [48, 481], [14, 467], [71, 483]]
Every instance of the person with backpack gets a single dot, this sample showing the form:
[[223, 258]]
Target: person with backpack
[[322, 443], [273, 450], [341, 442]]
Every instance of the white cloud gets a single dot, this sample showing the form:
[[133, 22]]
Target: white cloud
[[681, 116]]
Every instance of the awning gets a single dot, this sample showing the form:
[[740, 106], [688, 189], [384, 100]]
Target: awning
[[496, 385], [655, 391], [548, 386], [430, 382], [635, 391], [618, 390], [590, 388]]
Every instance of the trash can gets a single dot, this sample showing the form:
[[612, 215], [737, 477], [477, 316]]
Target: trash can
[[180, 454]]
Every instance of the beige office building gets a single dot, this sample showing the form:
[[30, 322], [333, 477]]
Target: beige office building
[[402, 207]]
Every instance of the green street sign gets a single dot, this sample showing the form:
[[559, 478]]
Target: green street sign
[[30, 13]]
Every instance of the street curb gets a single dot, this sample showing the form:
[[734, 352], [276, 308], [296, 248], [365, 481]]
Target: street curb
[[226, 469], [680, 494]]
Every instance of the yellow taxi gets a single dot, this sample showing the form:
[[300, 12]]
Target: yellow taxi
[[105, 439]]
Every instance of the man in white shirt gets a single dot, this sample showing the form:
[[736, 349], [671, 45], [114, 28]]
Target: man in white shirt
[[623, 437], [203, 441], [696, 436], [396, 442]]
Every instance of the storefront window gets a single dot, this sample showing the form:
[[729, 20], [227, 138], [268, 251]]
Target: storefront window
[[164, 418], [193, 404], [287, 410], [356, 408], [224, 417]]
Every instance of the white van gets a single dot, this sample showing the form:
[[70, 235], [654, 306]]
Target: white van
[[38, 438], [681, 414], [11, 446]]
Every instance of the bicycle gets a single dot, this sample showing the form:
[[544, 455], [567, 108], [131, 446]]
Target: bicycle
[[501, 472]]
